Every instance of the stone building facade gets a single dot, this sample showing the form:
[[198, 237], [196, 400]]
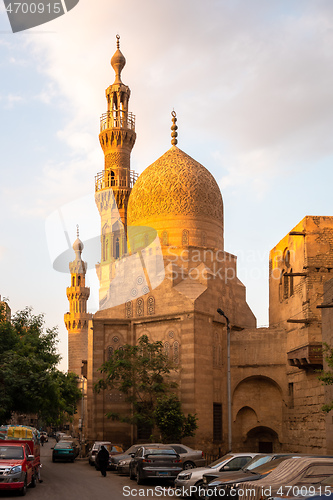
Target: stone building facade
[[164, 272]]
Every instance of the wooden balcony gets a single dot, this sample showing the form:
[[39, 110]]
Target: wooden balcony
[[307, 356]]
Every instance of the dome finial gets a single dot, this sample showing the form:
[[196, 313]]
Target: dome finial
[[77, 231], [118, 62], [174, 129]]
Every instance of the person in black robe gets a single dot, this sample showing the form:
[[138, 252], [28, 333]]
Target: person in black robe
[[102, 460]]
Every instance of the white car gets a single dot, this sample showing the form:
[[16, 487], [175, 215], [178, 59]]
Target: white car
[[190, 482]]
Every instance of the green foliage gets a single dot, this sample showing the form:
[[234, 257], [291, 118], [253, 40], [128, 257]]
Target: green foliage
[[29, 380], [171, 421], [142, 373], [327, 376]]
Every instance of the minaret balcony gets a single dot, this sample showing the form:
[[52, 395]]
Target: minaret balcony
[[117, 120], [104, 180]]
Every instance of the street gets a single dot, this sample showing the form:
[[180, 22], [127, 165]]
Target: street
[[78, 480]]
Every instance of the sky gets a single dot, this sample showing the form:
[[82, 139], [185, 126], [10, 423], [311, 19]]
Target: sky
[[251, 82]]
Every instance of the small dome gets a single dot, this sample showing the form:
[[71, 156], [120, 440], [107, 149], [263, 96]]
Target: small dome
[[118, 62], [78, 245], [175, 185]]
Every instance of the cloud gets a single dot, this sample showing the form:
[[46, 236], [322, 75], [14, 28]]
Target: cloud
[[251, 84]]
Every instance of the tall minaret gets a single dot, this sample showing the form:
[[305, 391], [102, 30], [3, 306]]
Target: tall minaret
[[113, 185], [76, 320]]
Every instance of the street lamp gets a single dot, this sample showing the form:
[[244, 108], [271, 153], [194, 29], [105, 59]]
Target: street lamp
[[228, 379]]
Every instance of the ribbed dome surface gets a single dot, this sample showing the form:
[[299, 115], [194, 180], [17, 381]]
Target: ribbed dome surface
[[175, 185]]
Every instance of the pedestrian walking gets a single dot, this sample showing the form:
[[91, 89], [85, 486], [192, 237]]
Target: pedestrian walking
[[102, 460]]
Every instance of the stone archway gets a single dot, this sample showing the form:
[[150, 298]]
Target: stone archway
[[263, 440], [257, 404]]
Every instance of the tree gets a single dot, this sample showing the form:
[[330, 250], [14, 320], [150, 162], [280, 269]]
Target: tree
[[171, 421], [29, 380], [142, 373]]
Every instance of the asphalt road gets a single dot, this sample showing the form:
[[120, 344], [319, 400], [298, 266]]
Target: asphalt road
[[80, 481]]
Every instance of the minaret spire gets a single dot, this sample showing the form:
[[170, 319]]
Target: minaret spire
[[77, 318], [114, 184]]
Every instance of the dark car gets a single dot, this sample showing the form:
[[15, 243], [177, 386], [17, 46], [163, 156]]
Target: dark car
[[155, 462], [115, 459], [65, 450]]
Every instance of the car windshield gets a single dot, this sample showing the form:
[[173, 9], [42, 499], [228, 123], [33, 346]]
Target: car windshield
[[219, 461], [160, 451], [11, 452], [63, 444], [268, 467], [117, 449], [256, 462]]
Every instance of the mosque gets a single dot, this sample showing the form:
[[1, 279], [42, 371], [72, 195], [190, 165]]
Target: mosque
[[164, 272]]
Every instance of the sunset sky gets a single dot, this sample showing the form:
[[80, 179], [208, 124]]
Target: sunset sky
[[251, 82]]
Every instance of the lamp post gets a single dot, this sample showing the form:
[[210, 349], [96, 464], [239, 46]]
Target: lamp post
[[228, 379]]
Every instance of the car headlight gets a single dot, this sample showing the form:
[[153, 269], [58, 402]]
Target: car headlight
[[122, 462], [15, 469], [185, 477]]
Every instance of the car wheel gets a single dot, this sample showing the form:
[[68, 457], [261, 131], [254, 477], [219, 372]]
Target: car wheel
[[138, 477], [189, 465], [196, 494], [33, 481], [23, 491]]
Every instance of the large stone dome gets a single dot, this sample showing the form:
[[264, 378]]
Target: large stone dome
[[177, 191], [175, 185]]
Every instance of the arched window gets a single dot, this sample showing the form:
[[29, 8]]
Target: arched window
[[128, 309], [73, 281], [285, 286], [140, 307], [109, 352], [281, 286], [78, 280], [166, 348], [291, 284], [176, 352], [112, 177], [117, 248], [151, 305]]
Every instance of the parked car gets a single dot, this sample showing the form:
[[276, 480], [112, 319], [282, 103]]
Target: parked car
[[59, 435], [160, 461], [123, 466], [318, 491], [65, 450], [248, 472], [95, 449], [190, 458], [226, 486], [294, 471], [115, 459], [230, 462]]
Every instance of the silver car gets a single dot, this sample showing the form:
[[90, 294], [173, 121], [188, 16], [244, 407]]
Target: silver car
[[95, 449], [190, 482], [190, 458]]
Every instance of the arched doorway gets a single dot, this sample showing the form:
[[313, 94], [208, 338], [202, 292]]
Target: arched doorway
[[263, 440]]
